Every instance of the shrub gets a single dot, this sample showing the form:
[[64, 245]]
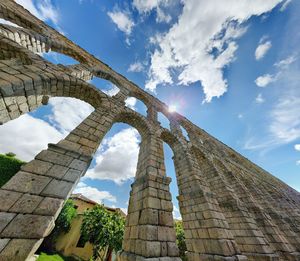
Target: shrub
[[9, 166], [180, 239]]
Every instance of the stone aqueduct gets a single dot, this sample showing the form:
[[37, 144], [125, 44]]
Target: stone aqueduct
[[231, 208]]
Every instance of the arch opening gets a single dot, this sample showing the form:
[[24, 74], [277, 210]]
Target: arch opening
[[168, 148], [163, 120], [113, 167], [185, 133], [58, 58], [7, 22], [136, 105], [105, 86], [16, 102], [30, 133], [26, 38]]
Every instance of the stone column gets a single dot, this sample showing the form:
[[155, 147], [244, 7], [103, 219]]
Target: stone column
[[152, 114], [149, 233], [207, 232], [33, 198], [246, 232], [275, 238], [283, 220]]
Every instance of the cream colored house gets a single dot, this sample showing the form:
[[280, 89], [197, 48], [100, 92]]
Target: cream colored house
[[70, 244]]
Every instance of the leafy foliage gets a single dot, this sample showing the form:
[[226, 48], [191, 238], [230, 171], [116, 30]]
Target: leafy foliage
[[62, 225], [67, 214], [9, 166], [180, 239], [10, 154], [102, 228]]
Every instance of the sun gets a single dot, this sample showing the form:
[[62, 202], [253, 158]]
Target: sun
[[172, 108]]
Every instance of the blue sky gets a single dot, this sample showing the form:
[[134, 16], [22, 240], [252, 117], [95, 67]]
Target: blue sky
[[231, 68]]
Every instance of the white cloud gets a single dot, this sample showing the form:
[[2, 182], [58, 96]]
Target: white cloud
[[48, 11], [297, 147], [33, 135], [262, 50], [162, 17], [44, 10], [67, 113], [122, 20], [202, 28], [264, 80], [282, 123], [146, 6], [259, 98], [282, 64], [285, 124], [176, 213], [93, 193], [27, 136], [240, 116], [112, 91], [284, 5], [130, 102], [117, 157], [298, 163], [29, 5], [135, 67], [3, 21], [124, 210]]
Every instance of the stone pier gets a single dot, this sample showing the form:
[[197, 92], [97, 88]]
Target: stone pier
[[231, 208]]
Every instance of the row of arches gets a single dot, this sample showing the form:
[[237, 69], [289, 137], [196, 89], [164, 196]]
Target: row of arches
[[211, 224], [35, 42]]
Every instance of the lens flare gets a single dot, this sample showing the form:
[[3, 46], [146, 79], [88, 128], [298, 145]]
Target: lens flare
[[172, 108]]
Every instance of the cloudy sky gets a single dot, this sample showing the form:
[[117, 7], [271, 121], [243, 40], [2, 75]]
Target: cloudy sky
[[231, 67]]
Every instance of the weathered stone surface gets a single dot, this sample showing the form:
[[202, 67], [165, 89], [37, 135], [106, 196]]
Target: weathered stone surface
[[72, 175], [54, 157], [57, 171], [19, 249], [37, 166], [78, 165], [26, 204], [27, 183], [49, 207], [28, 226], [8, 198], [58, 189], [5, 218], [3, 243]]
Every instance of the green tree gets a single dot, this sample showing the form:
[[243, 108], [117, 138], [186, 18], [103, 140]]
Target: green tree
[[10, 154], [103, 229], [9, 166], [62, 225], [180, 239], [67, 214]]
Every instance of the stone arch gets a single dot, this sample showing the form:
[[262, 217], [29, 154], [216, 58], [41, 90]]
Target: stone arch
[[135, 120], [26, 91], [26, 80], [34, 36], [26, 38], [21, 18], [170, 139], [10, 50], [137, 105], [164, 121], [141, 97]]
